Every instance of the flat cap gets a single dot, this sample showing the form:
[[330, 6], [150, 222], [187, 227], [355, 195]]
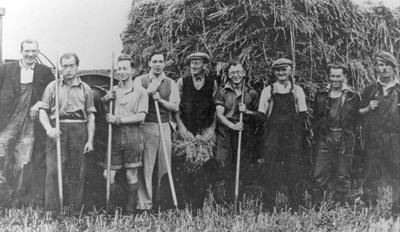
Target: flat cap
[[282, 62], [387, 57], [199, 55]]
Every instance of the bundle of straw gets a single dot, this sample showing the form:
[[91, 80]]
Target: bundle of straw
[[193, 152]]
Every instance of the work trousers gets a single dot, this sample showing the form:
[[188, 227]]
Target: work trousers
[[73, 164], [383, 161], [153, 156], [333, 162]]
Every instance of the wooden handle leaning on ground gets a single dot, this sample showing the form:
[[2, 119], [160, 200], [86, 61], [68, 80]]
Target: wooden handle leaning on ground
[[171, 182], [109, 138]]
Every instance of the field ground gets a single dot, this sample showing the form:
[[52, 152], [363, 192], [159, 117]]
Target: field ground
[[211, 218]]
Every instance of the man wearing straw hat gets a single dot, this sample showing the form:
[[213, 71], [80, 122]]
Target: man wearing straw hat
[[76, 134], [165, 91], [197, 91], [380, 107], [284, 104], [335, 116], [235, 98], [21, 86], [130, 109]]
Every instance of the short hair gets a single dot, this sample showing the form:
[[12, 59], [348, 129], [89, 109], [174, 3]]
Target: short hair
[[157, 52], [232, 63], [338, 66], [28, 41], [69, 55], [126, 57]]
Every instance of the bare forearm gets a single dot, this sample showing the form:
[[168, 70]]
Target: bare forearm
[[178, 120], [90, 127], [44, 120], [171, 106], [136, 118]]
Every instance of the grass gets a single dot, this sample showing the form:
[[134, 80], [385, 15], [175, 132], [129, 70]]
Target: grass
[[250, 217]]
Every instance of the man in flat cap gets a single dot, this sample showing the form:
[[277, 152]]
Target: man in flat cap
[[380, 107], [197, 91], [284, 104], [335, 118]]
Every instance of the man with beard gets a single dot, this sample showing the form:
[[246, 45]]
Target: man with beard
[[76, 134], [228, 107], [197, 91], [21, 86], [335, 116], [130, 108], [380, 107], [165, 91], [284, 104]]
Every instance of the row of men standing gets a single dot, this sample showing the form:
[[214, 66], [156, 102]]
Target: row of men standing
[[136, 140]]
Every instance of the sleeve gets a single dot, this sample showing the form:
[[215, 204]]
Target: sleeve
[[48, 96], [301, 100], [215, 90], [137, 82], [220, 98], [143, 104], [365, 97], [180, 86], [264, 100], [254, 100], [174, 97], [89, 102]]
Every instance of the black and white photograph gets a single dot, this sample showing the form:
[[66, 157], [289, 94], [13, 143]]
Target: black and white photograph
[[200, 115]]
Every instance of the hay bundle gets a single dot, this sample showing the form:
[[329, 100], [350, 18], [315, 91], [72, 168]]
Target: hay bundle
[[192, 152]]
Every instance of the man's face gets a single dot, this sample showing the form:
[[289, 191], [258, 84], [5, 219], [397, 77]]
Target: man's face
[[157, 64], [196, 67], [124, 70], [236, 73], [69, 69], [283, 73], [29, 53], [385, 69], [336, 78]]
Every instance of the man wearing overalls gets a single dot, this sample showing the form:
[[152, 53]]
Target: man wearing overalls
[[284, 104], [380, 106], [335, 115]]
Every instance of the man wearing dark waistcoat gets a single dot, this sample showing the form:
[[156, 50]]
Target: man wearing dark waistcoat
[[335, 117], [165, 91], [380, 107], [197, 91], [21, 87], [76, 134]]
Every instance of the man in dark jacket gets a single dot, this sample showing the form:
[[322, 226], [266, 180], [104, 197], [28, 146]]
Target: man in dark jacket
[[21, 87], [335, 115], [380, 107]]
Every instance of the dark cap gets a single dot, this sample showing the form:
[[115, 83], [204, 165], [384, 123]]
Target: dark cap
[[282, 62], [387, 57], [199, 56]]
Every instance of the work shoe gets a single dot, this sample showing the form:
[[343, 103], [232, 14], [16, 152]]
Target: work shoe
[[132, 197]]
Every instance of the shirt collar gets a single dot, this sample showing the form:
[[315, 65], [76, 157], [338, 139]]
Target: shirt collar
[[289, 86], [22, 67], [151, 76], [78, 83], [345, 87], [130, 90], [229, 86]]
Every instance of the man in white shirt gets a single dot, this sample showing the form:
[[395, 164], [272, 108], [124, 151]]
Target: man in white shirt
[[21, 87], [284, 104]]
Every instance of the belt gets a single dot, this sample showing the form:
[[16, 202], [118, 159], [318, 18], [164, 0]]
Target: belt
[[335, 129], [72, 120]]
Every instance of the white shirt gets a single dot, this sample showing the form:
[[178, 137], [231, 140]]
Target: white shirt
[[300, 97], [26, 74]]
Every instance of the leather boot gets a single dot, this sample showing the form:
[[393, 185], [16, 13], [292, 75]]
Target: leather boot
[[219, 192], [132, 197]]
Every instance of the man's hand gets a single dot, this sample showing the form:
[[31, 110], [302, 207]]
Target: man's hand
[[88, 147], [184, 133], [373, 105], [243, 108], [53, 133], [34, 111], [156, 96], [110, 118], [238, 126], [208, 134]]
